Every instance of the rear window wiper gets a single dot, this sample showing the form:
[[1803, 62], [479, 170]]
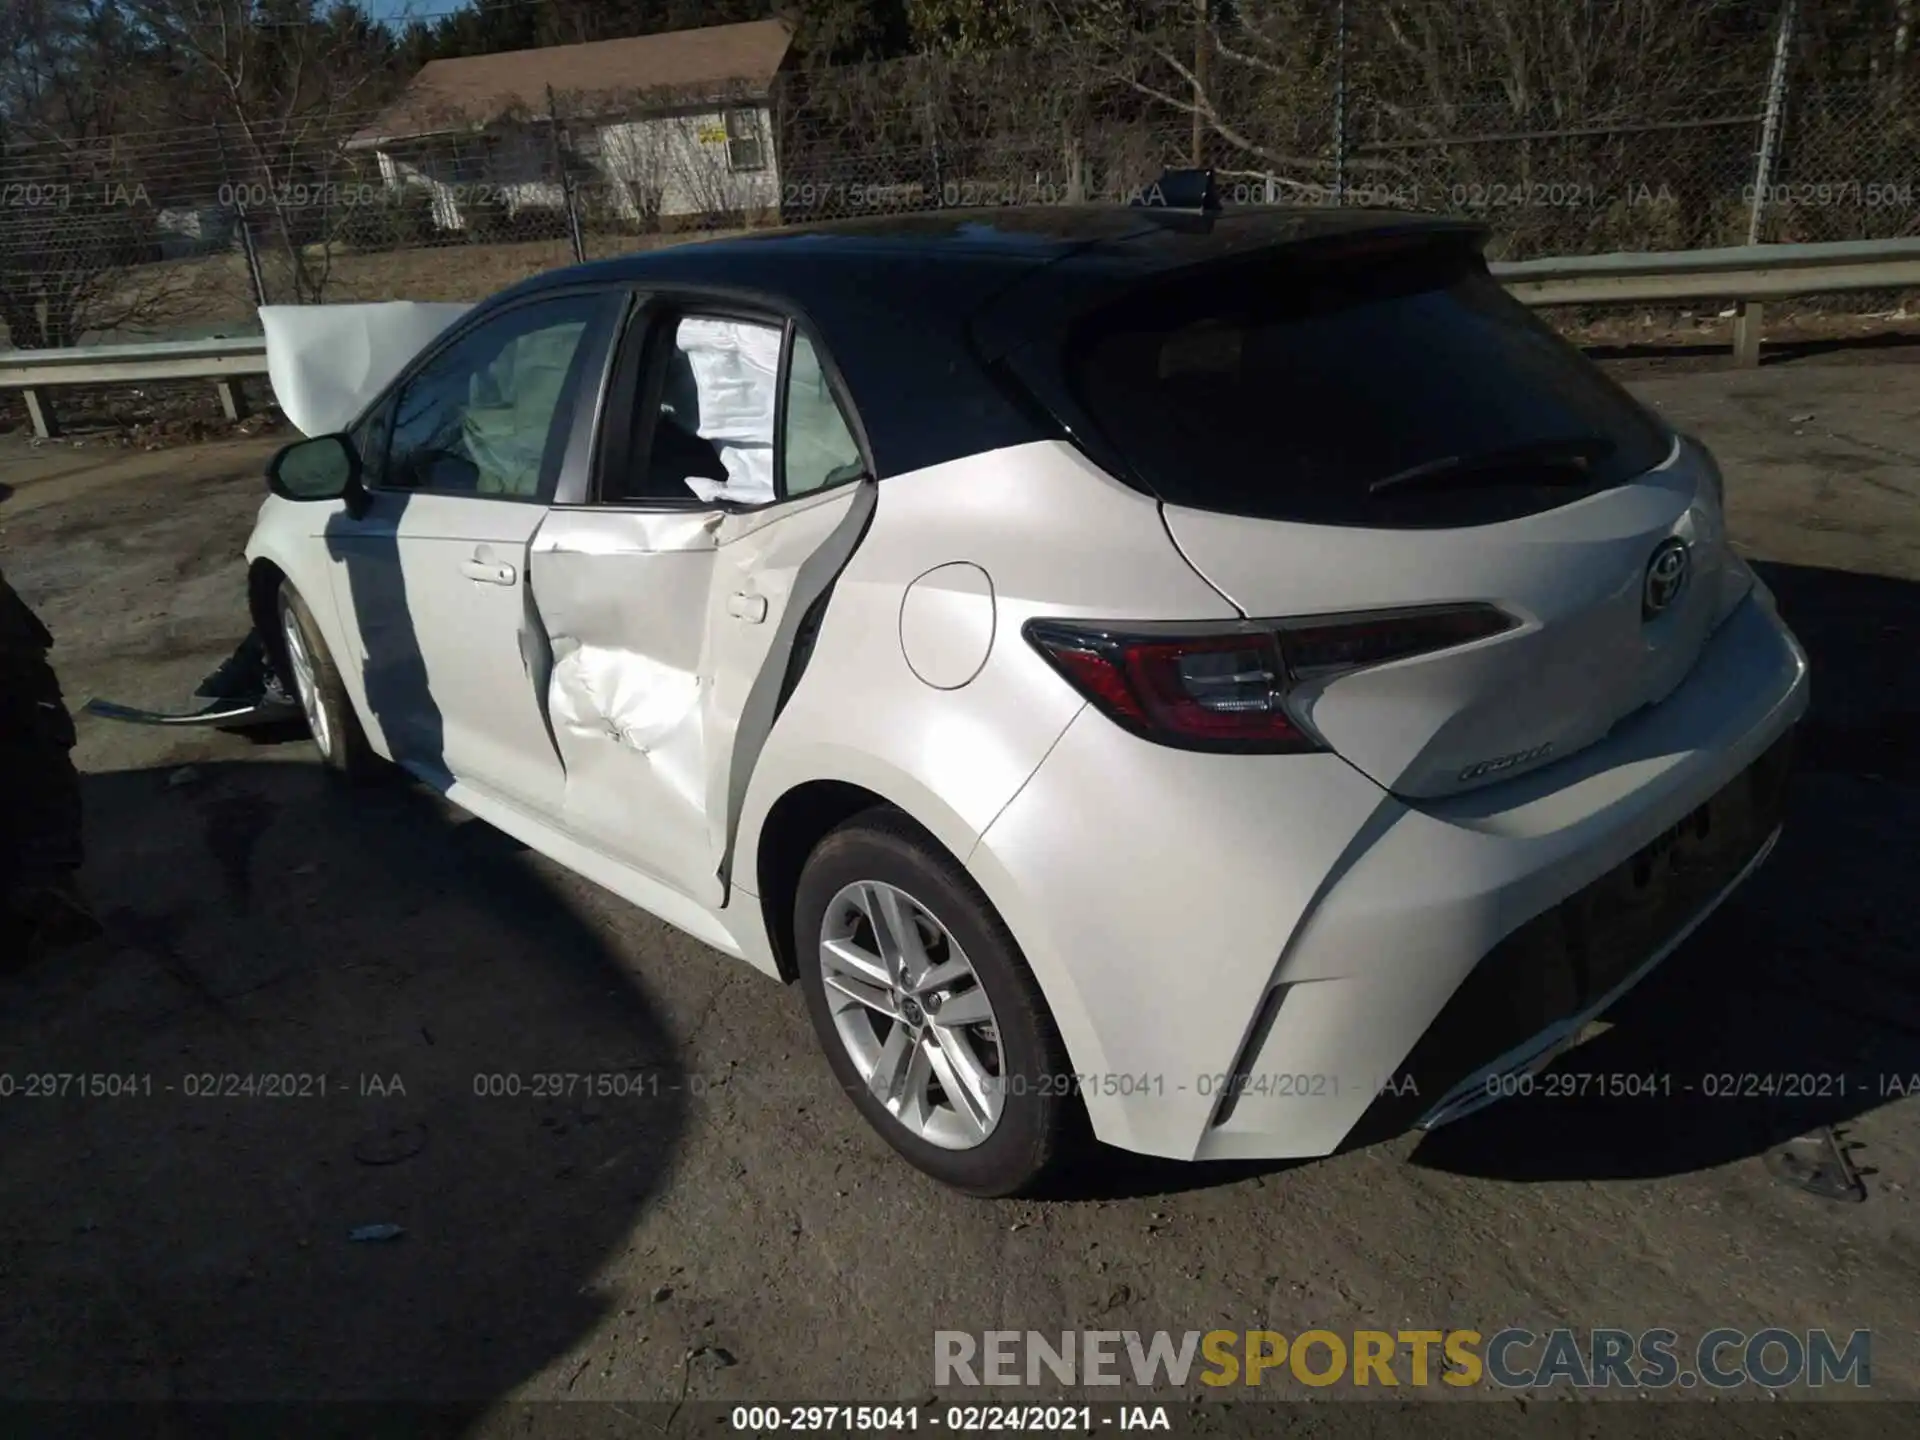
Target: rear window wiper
[[1568, 456]]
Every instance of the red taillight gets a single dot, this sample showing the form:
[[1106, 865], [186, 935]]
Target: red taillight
[[1224, 686], [1222, 690], [1098, 677]]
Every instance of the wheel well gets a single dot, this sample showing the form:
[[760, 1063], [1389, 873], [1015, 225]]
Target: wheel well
[[264, 580], [799, 820]]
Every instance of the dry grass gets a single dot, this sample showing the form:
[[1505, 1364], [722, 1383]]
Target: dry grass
[[437, 272], [212, 291]]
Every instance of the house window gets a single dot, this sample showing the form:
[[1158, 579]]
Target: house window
[[743, 141]]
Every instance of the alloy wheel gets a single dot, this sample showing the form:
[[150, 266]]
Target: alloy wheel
[[912, 1015], [305, 685]]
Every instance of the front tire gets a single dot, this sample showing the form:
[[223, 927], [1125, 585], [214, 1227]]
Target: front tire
[[929, 1016], [315, 682]]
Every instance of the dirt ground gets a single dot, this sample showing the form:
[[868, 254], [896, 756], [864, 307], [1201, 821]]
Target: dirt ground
[[731, 1231]]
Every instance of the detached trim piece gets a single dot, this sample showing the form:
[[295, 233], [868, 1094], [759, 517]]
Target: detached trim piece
[[236, 714]]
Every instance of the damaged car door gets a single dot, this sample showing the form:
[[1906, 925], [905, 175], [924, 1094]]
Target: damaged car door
[[462, 459], [726, 500]]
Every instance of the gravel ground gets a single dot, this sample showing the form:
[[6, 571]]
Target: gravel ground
[[731, 1231]]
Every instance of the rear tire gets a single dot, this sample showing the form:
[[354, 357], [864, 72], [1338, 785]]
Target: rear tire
[[952, 1008], [315, 682]]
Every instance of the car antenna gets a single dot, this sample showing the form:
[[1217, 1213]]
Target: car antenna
[[1191, 190]]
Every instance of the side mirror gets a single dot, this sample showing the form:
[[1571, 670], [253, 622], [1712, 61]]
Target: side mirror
[[327, 467]]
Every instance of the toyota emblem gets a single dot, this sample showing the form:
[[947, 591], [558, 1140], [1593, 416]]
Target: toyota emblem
[[1666, 578]]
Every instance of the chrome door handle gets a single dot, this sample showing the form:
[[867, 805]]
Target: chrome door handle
[[488, 572], [750, 608]]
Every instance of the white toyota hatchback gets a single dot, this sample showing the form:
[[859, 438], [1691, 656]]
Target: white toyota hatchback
[[1238, 677]]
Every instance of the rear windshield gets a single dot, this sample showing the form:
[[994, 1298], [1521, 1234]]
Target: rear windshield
[[1354, 388]]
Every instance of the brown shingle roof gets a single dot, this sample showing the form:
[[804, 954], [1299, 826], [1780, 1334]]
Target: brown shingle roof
[[476, 89]]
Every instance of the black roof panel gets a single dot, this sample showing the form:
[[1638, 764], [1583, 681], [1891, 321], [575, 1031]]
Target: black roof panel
[[1121, 240]]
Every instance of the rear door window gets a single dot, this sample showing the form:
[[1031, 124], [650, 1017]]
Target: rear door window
[[1372, 388], [730, 410], [818, 447]]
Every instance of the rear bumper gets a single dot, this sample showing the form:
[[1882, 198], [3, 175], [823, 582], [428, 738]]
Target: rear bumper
[[1271, 957], [1528, 1000]]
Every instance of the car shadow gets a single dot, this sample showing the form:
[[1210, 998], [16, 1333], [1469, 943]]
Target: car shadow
[[1796, 1006], [1715, 350], [393, 669], [1904, 344], [317, 1008], [270, 733], [394, 672], [1101, 1172]]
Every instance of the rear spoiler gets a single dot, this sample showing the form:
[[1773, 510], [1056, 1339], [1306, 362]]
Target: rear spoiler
[[327, 363]]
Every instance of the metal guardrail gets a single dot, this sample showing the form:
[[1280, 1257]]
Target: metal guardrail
[[223, 360], [1743, 274]]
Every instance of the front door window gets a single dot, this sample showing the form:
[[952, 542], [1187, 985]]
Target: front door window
[[487, 415]]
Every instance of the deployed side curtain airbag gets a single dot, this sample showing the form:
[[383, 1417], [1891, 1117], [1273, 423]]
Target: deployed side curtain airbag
[[736, 366], [505, 427]]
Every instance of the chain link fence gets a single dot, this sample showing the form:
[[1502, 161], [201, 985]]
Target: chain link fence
[[185, 232]]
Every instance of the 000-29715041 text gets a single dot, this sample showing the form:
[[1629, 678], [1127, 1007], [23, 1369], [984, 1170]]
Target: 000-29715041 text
[[953, 1420]]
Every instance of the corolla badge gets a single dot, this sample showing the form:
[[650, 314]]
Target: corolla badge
[[1506, 762], [1666, 578]]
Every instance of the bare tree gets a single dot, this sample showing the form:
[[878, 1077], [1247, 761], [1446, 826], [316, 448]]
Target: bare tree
[[1256, 78], [635, 164], [706, 155], [285, 80], [77, 225], [1251, 80], [1548, 61], [937, 131], [710, 186]]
